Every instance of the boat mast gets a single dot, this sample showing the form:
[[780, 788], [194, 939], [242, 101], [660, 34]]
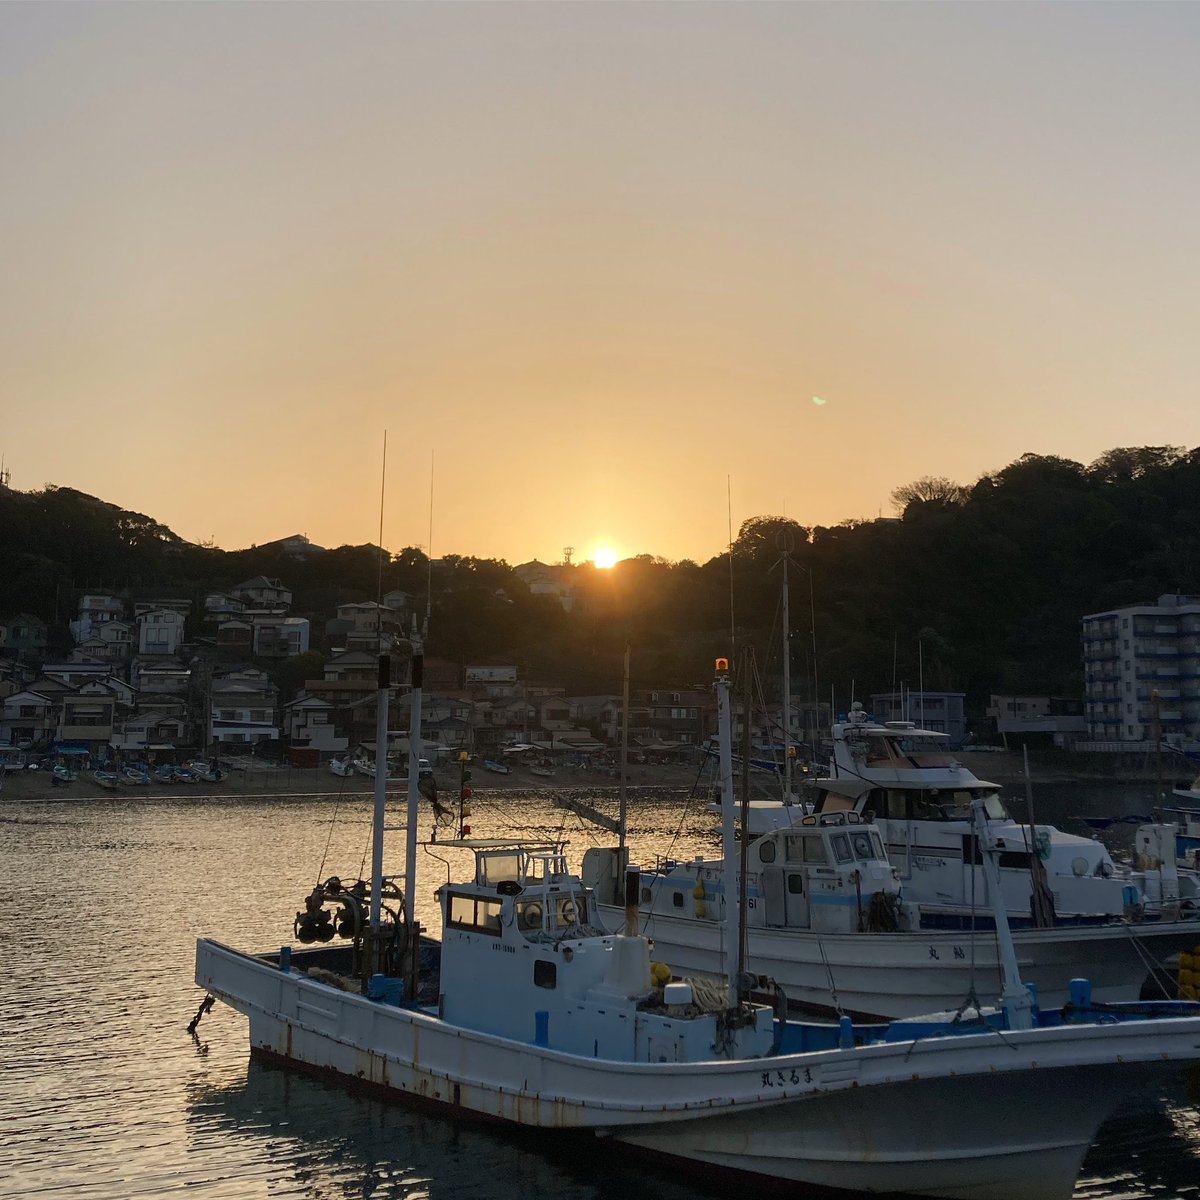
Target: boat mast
[[1015, 998], [725, 760], [622, 815], [744, 843], [787, 689], [374, 957], [381, 774]]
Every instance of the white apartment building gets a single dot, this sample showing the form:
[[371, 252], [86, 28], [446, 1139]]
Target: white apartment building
[[1131, 653]]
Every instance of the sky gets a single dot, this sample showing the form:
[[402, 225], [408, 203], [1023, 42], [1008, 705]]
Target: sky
[[609, 276]]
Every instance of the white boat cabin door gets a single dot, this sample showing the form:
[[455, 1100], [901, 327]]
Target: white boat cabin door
[[785, 898]]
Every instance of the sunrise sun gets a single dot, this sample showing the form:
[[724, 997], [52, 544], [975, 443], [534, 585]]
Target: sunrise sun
[[604, 557]]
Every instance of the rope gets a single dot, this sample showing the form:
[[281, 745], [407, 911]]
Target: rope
[[1149, 962], [205, 1005], [837, 1004]]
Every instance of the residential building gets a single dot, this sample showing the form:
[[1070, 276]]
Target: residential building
[[1058, 716], [669, 716], [364, 625], [280, 637], [1141, 666], [542, 579], [262, 593], [95, 610], [601, 713], [29, 718], [311, 722], [86, 719], [242, 708], [23, 636], [496, 682], [220, 605], [160, 631], [940, 712]]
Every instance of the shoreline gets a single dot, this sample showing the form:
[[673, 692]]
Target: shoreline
[[260, 779], [265, 781]]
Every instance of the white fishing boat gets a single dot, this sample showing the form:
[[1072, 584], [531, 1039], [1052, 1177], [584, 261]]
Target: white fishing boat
[[540, 1018], [341, 767], [920, 796], [844, 921], [1188, 795], [827, 920]]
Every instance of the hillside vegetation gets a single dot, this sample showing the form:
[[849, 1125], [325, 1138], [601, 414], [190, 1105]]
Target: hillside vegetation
[[989, 579]]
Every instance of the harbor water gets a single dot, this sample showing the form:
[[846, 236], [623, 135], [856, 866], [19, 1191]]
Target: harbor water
[[106, 1096]]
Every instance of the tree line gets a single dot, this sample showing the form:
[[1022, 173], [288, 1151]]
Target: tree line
[[977, 587]]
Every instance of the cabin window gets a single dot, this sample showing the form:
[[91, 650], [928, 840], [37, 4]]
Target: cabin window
[[647, 895], [677, 899], [569, 913], [766, 852], [863, 850], [473, 915], [1016, 859], [796, 884], [545, 973], [497, 868], [529, 916], [841, 848], [814, 850]]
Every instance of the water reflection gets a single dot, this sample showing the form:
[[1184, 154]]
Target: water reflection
[[107, 1097], [309, 1139]]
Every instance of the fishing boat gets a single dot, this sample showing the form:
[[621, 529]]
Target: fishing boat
[[107, 779], [61, 775], [539, 1017], [1188, 794], [342, 767], [848, 913], [135, 776], [496, 767], [164, 773], [828, 920], [920, 796]]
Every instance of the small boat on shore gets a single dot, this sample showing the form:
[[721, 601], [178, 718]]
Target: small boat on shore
[[61, 775], [165, 773], [107, 779], [496, 767], [135, 776]]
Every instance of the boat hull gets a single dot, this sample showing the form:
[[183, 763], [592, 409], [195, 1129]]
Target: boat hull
[[886, 1117], [883, 976]]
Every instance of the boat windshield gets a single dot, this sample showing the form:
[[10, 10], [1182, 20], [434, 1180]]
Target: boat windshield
[[955, 805]]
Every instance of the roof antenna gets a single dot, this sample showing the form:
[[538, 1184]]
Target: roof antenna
[[379, 592], [429, 584], [729, 521]]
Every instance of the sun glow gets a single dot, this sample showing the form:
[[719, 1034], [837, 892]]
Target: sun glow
[[604, 557]]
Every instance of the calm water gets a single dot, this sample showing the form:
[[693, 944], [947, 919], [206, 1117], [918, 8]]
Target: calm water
[[105, 1095]]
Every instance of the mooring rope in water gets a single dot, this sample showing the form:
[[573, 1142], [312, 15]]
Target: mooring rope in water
[[205, 1005]]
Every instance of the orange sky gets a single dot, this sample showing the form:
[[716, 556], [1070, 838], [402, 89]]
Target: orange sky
[[594, 261]]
